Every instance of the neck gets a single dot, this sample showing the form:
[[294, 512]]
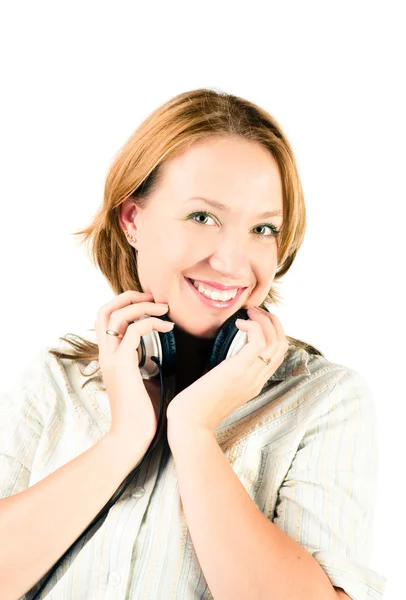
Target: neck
[[192, 353]]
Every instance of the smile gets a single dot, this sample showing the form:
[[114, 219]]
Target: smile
[[214, 298]]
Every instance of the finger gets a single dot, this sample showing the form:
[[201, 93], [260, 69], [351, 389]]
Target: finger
[[122, 318], [137, 329], [129, 297], [276, 331], [281, 341], [278, 328], [128, 346], [263, 318], [274, 347], [124, 299], [256, 341]]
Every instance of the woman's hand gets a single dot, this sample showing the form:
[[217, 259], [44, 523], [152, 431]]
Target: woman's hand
[[132, 413], [233, 382]]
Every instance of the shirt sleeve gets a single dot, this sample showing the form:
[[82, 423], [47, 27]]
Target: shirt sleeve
[[326, 501], [21, 425]]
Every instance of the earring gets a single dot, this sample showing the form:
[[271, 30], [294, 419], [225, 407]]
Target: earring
[[130, 237]]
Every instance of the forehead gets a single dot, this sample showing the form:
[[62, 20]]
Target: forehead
[[229, 166]]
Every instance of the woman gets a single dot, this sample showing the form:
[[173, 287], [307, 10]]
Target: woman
[[242, 471]]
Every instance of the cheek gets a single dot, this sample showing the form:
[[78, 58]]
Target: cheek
[[160, 267], [265, 267], [265, 279]]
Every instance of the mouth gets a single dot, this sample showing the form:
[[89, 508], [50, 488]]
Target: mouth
[[214, 302]]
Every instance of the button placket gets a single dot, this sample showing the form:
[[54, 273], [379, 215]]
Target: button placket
[[132, 511]]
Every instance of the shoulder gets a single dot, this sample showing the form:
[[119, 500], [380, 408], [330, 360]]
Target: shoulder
[[300, 364], [337, 377], [64, 374], [306, 379], [49, 380]]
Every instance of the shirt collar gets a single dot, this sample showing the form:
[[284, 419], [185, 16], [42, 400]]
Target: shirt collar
[[295, 364], [89, 368]]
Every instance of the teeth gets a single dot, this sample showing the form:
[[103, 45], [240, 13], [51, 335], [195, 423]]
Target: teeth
[[215, 295]]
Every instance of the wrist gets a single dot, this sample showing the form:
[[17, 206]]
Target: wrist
[[181, 431], [126, 448]]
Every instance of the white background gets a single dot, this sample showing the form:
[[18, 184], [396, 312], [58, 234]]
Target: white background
[[78, 77]]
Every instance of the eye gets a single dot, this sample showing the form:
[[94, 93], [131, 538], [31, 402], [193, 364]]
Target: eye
[[202, 213], [198, 214], [274, 231]]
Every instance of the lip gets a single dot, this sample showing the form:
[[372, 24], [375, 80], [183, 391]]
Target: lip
[[214, 303], [218, 286]]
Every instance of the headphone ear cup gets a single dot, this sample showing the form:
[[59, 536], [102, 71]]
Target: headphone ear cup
[[161, 345], [168, 345], [229, 340]]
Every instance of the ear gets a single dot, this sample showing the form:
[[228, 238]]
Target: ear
[[127, 215]]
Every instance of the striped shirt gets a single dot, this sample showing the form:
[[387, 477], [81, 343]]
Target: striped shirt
[[305, 449]]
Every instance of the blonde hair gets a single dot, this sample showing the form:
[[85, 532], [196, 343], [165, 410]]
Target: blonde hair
[[136, 171]]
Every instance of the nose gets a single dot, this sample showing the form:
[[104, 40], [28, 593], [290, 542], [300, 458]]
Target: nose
[[231, 259]]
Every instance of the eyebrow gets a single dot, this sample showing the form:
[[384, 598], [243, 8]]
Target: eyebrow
[[220, 206]]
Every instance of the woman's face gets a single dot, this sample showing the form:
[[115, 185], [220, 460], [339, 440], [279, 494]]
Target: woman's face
[[233, 246]]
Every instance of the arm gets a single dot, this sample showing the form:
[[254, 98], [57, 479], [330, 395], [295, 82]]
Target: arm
[[30, 519], [242, 553], [341, 595], [325, 504]]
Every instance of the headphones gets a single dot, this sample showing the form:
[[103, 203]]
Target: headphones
[[228, 342]]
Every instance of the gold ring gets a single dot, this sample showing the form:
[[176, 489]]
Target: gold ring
[[266, 360], [111, 332]]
